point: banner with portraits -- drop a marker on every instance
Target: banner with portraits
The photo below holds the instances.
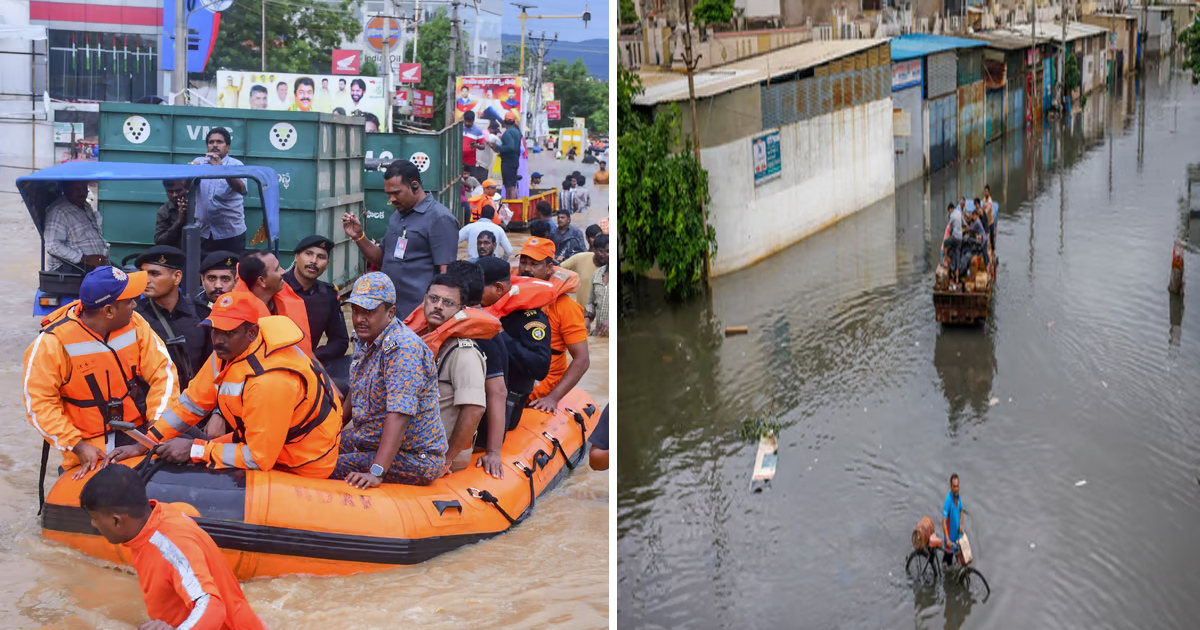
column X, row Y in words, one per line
column 281, row 91
column 490, row 97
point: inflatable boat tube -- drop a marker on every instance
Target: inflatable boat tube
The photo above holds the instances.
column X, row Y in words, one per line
column 277, row 523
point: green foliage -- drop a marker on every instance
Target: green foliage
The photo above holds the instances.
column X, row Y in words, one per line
column 301, row 35
column 580, row 94
column 368, row 67
column 510, row 61
column 1071, row 75
column 628, row 12
column 756, row 427
column 713, row 11
column 1189, row 41
column 661, row 194
column 433, row 53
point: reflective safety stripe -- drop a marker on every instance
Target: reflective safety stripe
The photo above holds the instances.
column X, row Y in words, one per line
column 124, row 340
column 248, row 458
column 175, row 557
column 228, row 452
column 82, row 348
column 29, row 401
column 197, row 613
column 231, row 389
column 175, row 421
column 192, row 407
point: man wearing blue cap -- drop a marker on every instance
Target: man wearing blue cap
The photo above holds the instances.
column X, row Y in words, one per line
column 96, row 361
column 397, row 435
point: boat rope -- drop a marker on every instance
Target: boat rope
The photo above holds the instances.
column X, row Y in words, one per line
column 490, row 499
column 149, row 465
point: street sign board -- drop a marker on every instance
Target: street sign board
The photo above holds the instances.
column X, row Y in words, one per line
column 409, row 73
column 553, row 110
column 374, row 33
column 345, row 61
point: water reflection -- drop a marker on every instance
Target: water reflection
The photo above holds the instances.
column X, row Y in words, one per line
column 965, row 360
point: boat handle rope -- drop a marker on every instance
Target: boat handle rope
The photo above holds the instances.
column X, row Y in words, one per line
column 490, row 499
column 149, row 465
column 558, row 448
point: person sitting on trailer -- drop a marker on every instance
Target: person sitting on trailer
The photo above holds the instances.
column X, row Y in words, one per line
column 172, row 316
column 185, row 580
column 324, row 311
column 218, row 276
column 96, row 361
column 72, row 230
column 450, row 328
column 397, row 436
column 284, row 409
column 489, row 435
column 259, row 273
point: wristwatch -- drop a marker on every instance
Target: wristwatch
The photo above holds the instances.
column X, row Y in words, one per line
column 377, row 470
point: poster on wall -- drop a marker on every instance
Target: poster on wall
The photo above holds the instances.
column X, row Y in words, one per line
column 553, row 110
column 906, row 74
column 768, row 163
column 490, row 97
column 279, row 91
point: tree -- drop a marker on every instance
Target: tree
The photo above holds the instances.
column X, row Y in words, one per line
column 581, row 95
column 628, row 12
column 368, row 67
column 1072, row 79
column 301, row 35
column 662, row 192
column 510, row 61
column 712, row 11
column 1189, row 40
column 433, row 53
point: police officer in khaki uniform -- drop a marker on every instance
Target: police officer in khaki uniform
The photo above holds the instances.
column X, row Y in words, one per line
column 174, row 317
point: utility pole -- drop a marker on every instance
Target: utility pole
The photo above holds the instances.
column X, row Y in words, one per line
column 690, row 63
column 1062, row 65
column 536, row 83
column 264, row 36
column 416, row 29
column 450, row 74
column 179, row 76
column 386, row 44
column 524, row 15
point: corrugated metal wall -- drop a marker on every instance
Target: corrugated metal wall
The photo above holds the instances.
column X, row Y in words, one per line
column 941, row 75
column 972, row 120
column 910, row 149
column 970, row 66
column 1016, row 103
column 995, row 114
column 943, row 131
column 837, row 85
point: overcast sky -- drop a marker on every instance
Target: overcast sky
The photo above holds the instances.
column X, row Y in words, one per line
column 568, row 30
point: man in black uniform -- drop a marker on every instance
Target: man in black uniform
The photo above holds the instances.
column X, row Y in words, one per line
column 321, row 301
column 490, row 436
column 173, row 316
column 526, row 336
column 218, row 275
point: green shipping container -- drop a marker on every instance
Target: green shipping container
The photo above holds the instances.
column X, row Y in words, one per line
column 318, row 158
column 440, row 151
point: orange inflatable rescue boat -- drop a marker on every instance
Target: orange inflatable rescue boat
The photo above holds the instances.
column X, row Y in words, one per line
column 277, row 523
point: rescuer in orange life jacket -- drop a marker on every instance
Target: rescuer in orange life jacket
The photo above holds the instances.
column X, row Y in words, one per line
column 568, row 328
column 96, row 361
column 184, row 578
column 283, row 408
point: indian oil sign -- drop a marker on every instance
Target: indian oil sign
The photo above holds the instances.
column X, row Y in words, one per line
column 767, row 160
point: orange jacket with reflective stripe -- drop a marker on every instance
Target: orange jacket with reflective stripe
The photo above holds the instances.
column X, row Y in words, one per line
column 526, row 294
column 469, row 323
column 291, row 306
column 71, row 375
column 284, row 410
column 184, row 578
column 477, row 203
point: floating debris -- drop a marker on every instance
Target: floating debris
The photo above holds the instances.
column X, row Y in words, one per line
column 1081, row 482
column 736, row 330
column 993, row 402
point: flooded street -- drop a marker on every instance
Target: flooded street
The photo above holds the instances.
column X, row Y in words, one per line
column 1086, row 371
column 550, row 572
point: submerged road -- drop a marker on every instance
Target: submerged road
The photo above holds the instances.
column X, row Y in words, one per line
column 1087, row 371
column 551, row 572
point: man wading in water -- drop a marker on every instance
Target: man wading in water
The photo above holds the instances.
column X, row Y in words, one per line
column 951, row 519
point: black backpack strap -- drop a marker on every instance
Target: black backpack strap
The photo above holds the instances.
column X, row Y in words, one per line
column 42, row 476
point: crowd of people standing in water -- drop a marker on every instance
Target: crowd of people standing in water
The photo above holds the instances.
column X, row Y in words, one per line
column 253, row 373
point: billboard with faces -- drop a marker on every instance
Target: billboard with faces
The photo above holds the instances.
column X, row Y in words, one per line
column 282, row 91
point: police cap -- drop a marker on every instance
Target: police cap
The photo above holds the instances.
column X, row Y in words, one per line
column 162, row 255
column 219, row 260
column 316, row 240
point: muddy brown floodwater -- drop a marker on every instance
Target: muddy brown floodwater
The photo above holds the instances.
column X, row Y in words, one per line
column 1087, row 371
column 550, row 572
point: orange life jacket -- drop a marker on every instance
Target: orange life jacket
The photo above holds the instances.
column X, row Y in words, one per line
column 477, row 203
column 526, row 294
column 469, row 323
column 102, row 373
column 290, row 305
column 563, row 280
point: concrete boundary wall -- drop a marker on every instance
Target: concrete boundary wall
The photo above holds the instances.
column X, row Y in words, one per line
column 833, row 165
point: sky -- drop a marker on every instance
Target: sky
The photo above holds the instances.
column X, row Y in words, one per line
column 568, row 30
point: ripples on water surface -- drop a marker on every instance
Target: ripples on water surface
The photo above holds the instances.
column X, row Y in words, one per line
column 1092, row 366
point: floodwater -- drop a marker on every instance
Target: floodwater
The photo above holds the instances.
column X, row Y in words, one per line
column 1087, row 371
column 551, row 572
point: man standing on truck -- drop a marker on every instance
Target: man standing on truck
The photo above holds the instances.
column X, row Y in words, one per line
column 219, row 203
column 421, row 237
column 951, row 520
column 72, row 231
